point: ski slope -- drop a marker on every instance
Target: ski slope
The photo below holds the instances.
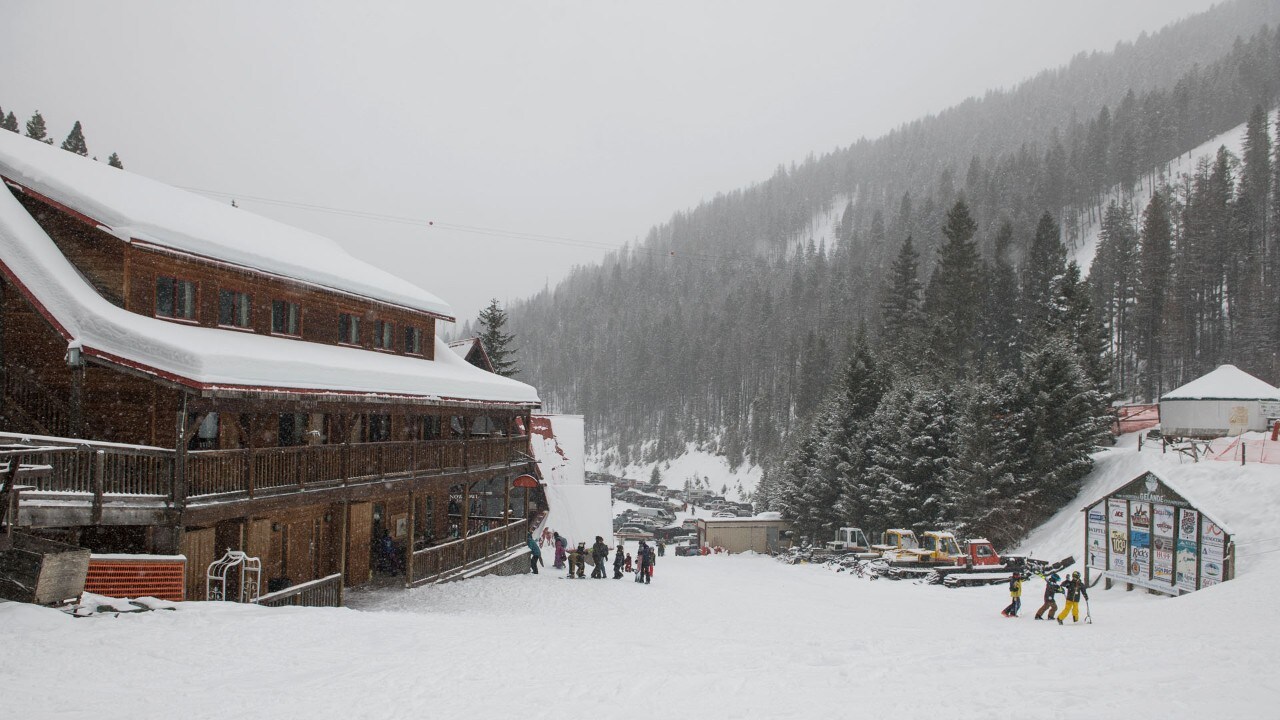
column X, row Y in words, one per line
column 712, row 637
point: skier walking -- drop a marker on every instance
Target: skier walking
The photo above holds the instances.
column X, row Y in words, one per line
column 1052, row 587
column 580, row 557
column 561, row 545
column 599, row 555
column 1074, row 588
column 618, row 560
column 642, row 558
column 646, row 563
column 1015, row 592
column 535, row 554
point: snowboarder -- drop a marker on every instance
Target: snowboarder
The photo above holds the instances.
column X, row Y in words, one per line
column 1074, row 588
column 642, row 556
column 560, row 544
column 599, row 555
column 1015, row 592
column 1052, row 586
column 617, row 562
column 535, row 554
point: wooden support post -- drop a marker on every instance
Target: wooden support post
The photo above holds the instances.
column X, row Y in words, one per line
column 95, row 479
column 408, row 551
column 342, row 551
column 77, row 399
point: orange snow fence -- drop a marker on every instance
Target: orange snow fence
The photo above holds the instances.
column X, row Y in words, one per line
column 1132, row 418
column 1256, row 447
column 135, row 576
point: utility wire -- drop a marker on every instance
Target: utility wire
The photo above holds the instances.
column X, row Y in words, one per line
column 487, row 231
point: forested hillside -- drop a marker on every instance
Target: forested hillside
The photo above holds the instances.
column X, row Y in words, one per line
column 727, row 324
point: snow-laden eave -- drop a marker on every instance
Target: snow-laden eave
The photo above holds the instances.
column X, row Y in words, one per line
column 209, row 259
column 223, row 362
column 135, row 208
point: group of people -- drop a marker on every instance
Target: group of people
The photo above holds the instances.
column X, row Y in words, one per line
column 1074, row 589
column 577, row 559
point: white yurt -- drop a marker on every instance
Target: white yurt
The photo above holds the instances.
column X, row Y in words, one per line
column 1227, row 401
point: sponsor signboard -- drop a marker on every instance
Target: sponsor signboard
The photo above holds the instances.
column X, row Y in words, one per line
column 1145, row 533
column 1187, row 575
column 1140, row 539
column 1162, row 546
column 1096, row 556
column 1118, row 535
column 1212, row 550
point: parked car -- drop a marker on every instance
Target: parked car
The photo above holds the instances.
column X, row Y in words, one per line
column 725, row 514
column 690, row 549
column 631, row 532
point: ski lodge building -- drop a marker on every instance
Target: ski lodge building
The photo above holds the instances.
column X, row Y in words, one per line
column 230, row 382
column 1225, row 402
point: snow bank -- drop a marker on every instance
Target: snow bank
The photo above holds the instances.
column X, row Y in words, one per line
column 692, row 464
column 580, row 512
column 559, row 445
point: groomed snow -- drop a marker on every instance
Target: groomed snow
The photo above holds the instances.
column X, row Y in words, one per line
column 133, row 207
column 713, row 637
column 219, row 358
column 1227, row 382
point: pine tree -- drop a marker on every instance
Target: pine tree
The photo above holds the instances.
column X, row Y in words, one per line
column 1113, row 280
column 75, row 141
column 36, row 129
column 953, row 299
column 497, row 342
column 1046, row 261
column 902, row 320
column 1155, row 259
column 655, row 477
column 908, row 454
column 114, row 161
column 999, row 324
column 986, row 483
column 9, row 123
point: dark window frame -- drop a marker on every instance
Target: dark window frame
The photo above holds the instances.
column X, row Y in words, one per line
column 412, row 340
column 241, row 308
column 177, row 284
column 296, row 318
column 384, row 335
column 348, row 328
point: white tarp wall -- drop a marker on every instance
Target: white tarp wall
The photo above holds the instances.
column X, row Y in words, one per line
column 1212, row 418
column 580, row 513
column 560, row 446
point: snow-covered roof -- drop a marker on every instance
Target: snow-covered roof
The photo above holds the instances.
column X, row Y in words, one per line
column 1228, row 382
column 138, row 209
column 464, row 348
column 216, row 359
column 1177, row 487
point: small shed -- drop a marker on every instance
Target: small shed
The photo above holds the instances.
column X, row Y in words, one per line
column 764, row 533
column 1227, row 401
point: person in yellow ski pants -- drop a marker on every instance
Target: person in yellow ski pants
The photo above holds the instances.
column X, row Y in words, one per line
column 1074, row 588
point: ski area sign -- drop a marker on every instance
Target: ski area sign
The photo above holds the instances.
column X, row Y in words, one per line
column 1147, row 534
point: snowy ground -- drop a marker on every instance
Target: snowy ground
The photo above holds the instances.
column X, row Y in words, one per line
column 712, row 637
column 692, row 465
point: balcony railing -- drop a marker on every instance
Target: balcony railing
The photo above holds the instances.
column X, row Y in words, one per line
column 111, row 469
column 435, row 563
column 324, row 592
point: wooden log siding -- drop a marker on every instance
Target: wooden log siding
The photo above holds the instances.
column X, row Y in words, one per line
column 101, row 468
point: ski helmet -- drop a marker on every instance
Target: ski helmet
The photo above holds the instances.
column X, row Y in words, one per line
column 1054, row 577
column 1076, row 575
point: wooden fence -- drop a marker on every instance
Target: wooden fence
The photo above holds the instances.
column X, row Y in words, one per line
column 325, row 592
column 434, row 563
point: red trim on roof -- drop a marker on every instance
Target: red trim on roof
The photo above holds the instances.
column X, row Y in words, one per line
column 12, row 278
column 50, row 201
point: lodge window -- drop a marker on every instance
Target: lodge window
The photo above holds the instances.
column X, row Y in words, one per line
column 233, row 308
column 376, row 428
column 430, row 427
column 285, row 317
column 383, row 335
column 292, row 429
column 348, row 329
column 413, row 340
column 175, row 298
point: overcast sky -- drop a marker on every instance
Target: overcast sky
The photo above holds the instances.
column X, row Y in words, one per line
column 590, row 121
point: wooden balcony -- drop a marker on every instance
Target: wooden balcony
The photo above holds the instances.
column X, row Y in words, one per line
column 102, row 478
